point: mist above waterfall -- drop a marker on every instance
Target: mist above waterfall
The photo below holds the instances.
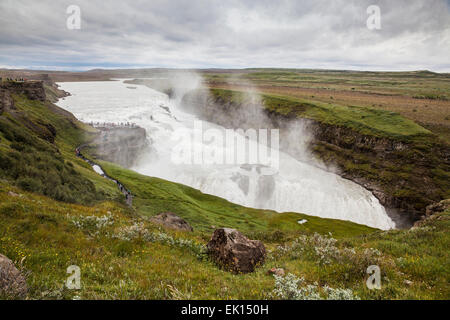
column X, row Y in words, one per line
column 299, row 183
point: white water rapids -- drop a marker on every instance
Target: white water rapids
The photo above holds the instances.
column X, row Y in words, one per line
column 297, row 187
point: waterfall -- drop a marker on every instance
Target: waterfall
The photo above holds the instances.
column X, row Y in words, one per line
column 296, row 186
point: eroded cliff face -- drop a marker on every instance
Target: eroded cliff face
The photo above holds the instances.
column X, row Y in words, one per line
column 33, row 90
column 121, row 145
column 6, row 101
column 405, row 176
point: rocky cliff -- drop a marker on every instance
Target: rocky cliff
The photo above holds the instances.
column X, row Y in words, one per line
column 33, row 90
column 6, row 101
column 121, row 145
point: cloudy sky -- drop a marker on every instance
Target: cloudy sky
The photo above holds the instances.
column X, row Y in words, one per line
column 333, row 34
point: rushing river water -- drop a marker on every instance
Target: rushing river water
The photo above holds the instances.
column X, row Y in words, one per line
column 297, row 186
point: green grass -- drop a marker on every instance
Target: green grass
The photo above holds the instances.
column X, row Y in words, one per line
column 39, row 235
column 420, row 84
column 37, row 153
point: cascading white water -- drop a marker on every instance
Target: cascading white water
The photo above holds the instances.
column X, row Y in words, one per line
column 296, row 187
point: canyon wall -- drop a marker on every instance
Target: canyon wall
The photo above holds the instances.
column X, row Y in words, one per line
column 405, row 176
column 121, row 145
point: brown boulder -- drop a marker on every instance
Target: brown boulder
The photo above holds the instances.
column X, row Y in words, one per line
column 171, row 221
column 232, row 250
column 12, row 282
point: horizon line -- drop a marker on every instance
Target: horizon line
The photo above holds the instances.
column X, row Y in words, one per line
column 213, row 68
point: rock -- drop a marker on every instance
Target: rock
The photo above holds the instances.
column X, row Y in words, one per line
column 408, row 283
column 432, row 212
column 172, row 221
column 6, row 101
column 277, row 271
column 13, row 194
column 12, row 282
column 438, row 207
column 33, row 90
column 232, row 250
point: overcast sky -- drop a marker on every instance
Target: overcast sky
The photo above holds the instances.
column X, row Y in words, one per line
column 414, row 34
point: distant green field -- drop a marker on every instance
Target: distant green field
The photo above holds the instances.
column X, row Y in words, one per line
column 413, row 84
column 365, row 120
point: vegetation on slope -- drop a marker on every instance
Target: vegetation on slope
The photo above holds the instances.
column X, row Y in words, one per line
column 123, row 256
column 35, row 144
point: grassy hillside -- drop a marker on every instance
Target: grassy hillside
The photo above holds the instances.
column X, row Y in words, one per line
column 37, row 142
column 123, row 256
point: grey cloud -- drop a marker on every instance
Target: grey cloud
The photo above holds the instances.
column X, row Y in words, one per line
column 201, row 33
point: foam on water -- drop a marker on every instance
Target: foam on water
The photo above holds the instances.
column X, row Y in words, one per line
column 297, row 187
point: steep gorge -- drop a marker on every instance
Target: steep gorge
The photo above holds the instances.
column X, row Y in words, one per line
column 406, row 175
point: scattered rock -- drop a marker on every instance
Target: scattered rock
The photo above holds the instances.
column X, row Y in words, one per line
column 235, row 252
column 172, row 221
column 408, row 283
column 12, row 282
column 13, row 194
column 276, row 271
